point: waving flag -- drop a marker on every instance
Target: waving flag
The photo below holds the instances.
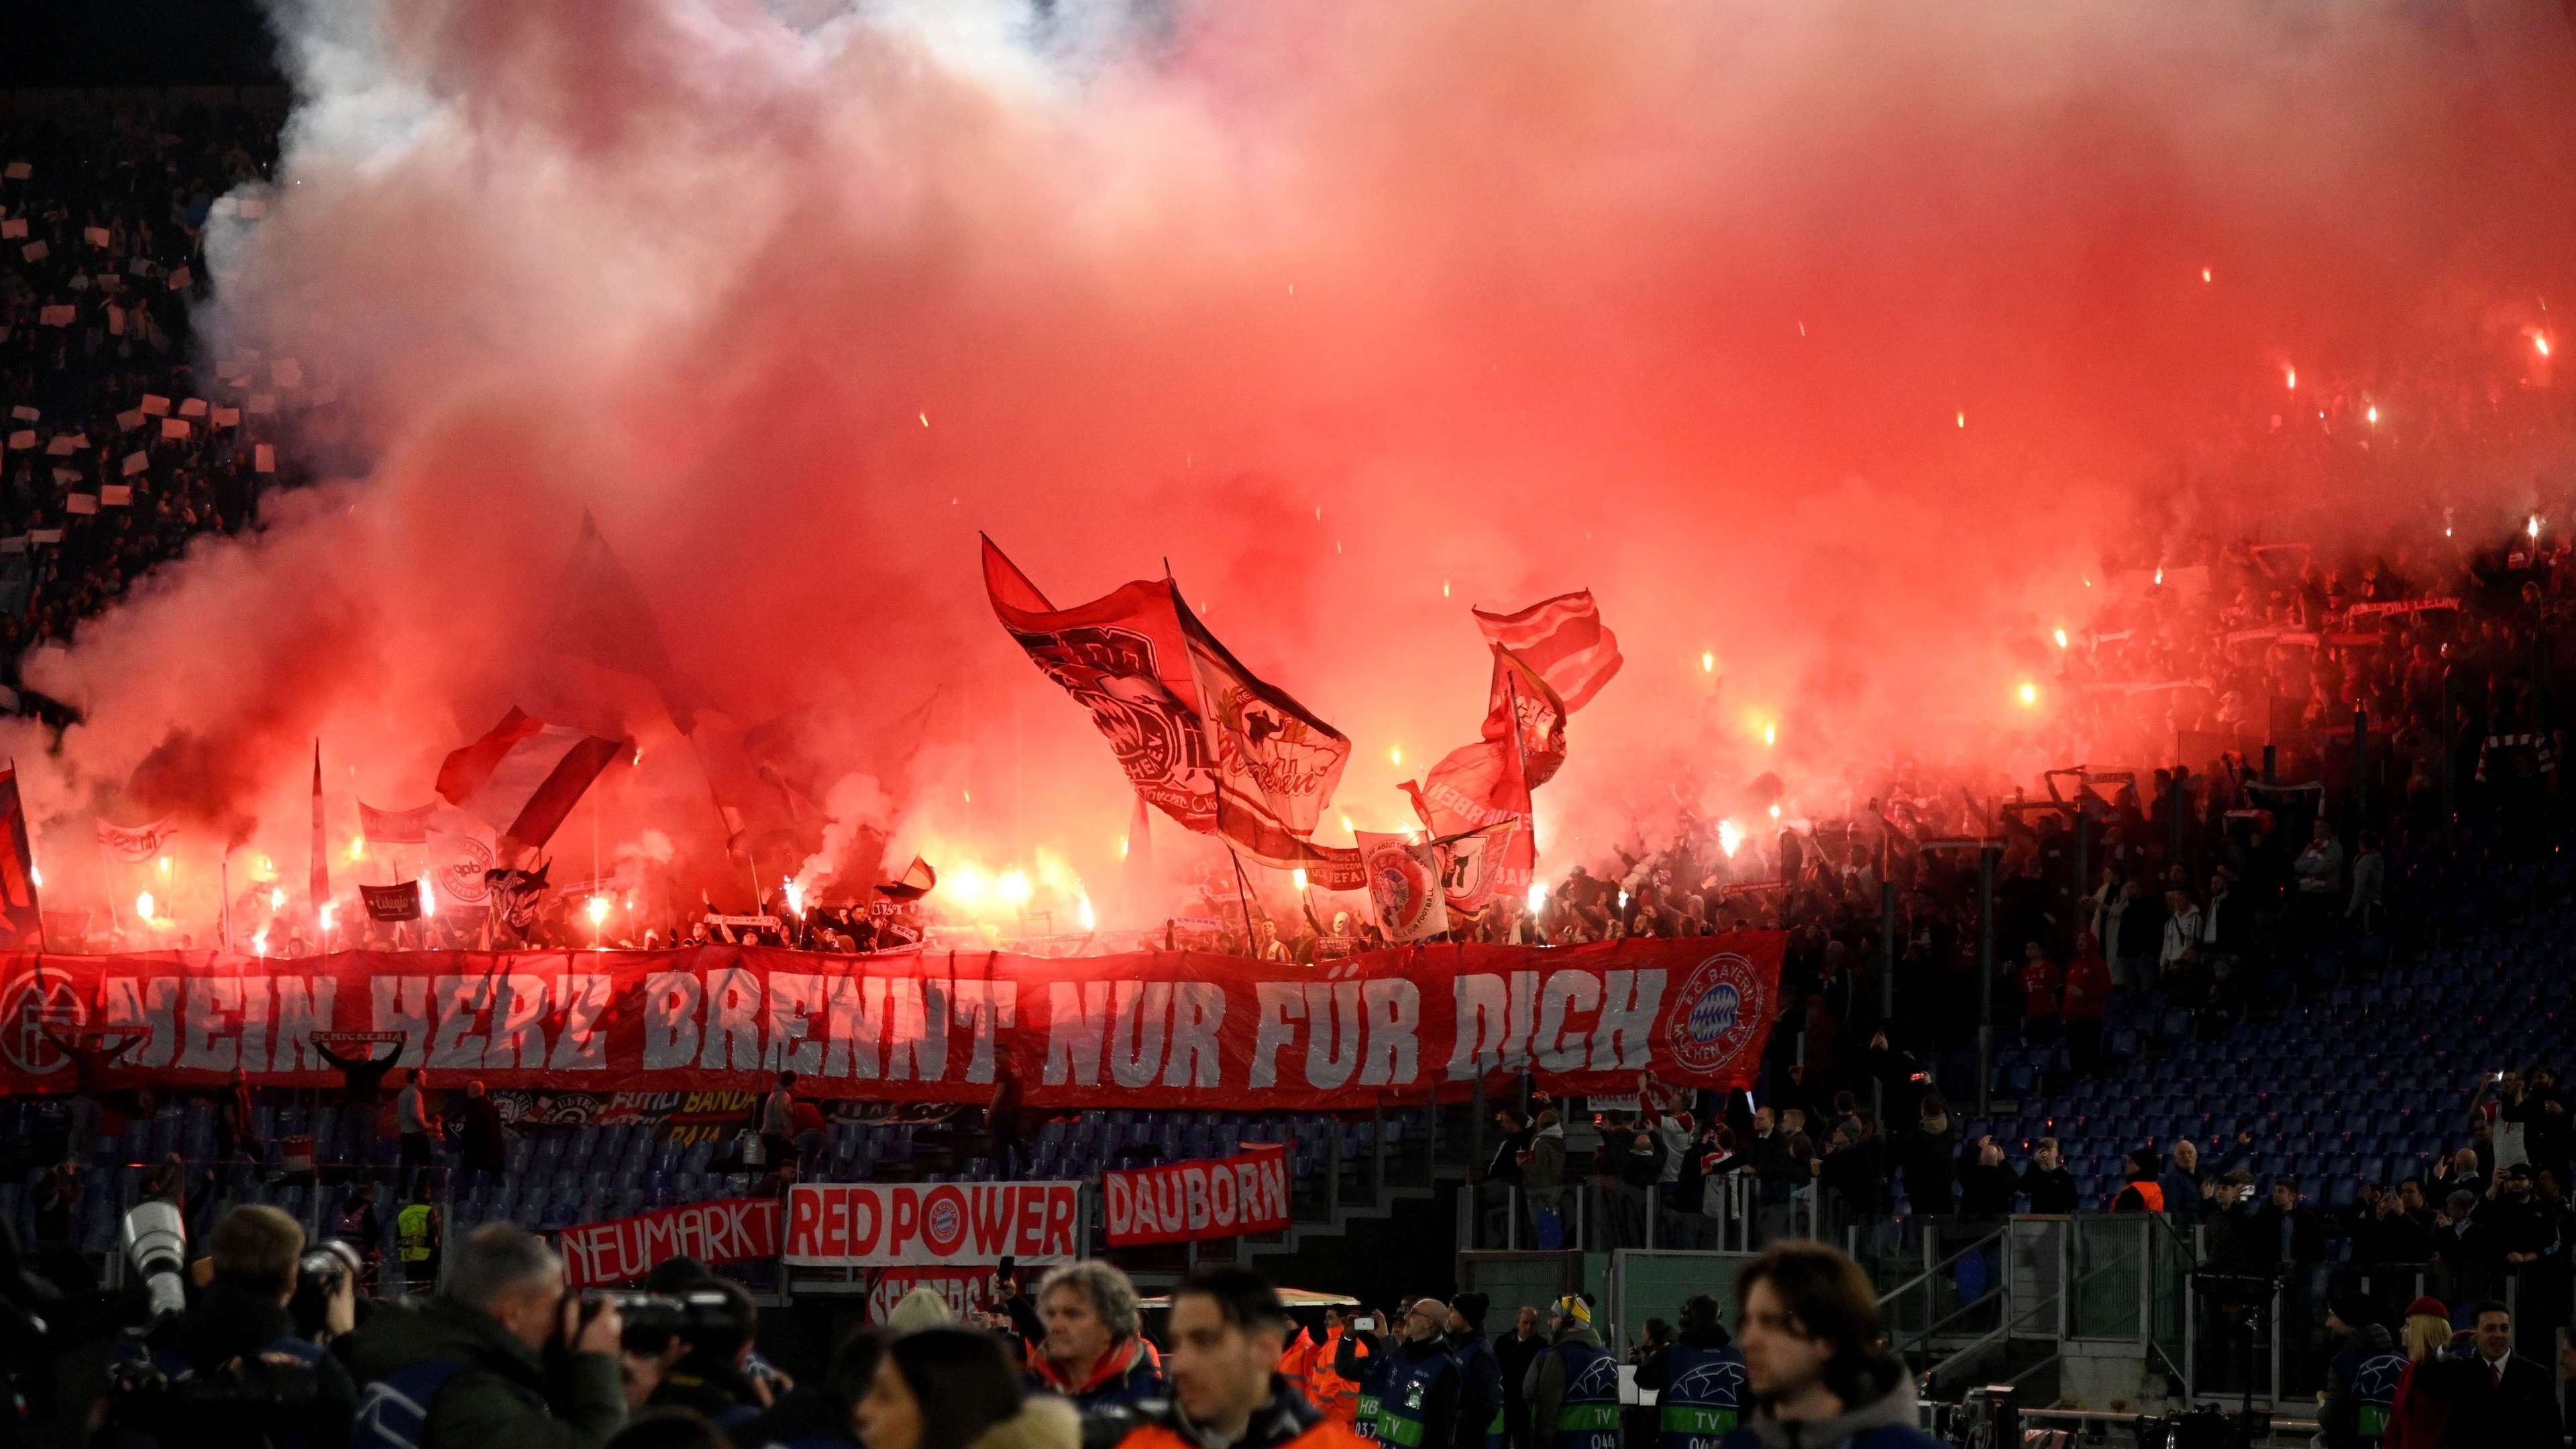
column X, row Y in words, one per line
column 1276, row 763
column 1404, row 886
column 602, row 617
column 524, row 777
column 1478, row 797
column 134, row 847
column 1202, row 738
column 1123, row 658
column 396, row 827
column 1563, row 640
column 22, row 922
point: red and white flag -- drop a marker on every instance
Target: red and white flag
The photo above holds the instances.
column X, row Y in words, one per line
column 1476, row 794
column 524, row 777
column 1277, row 763
column 1404, row 885
column 1123, row 659
column 396, row 827
column 134, row 847
column 1562, row 638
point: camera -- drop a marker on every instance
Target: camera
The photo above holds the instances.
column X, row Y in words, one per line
column 156, row 1246
column 319, row 1275
column 709, row 1322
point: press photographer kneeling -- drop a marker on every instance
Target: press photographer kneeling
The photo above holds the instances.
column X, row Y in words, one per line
column 233, row 1368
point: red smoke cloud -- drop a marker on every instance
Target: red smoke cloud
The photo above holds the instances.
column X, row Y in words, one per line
column 1839, row 341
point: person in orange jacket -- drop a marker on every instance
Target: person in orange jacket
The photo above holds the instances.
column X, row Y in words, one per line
column 1297, row 1361
column 1338, row 1397
column 1227, row 1330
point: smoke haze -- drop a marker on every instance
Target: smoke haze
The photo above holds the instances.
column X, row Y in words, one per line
column 1842, row 342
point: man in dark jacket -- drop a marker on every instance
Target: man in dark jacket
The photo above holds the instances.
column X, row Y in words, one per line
column 2047, row 1182
column 1415, row 1380
column 1698, row 1378
column 470, row 1369
column 1924, row 1156
column 1986, row 1186
column 2502, row 1400
column 1482, row 1423
column 1514, row 1352
column 481, row 1141
column 239, row 1327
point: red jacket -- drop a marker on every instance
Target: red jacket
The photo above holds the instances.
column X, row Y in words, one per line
column 2088, row 988
column 2416, row 1420
column 1129, row 1373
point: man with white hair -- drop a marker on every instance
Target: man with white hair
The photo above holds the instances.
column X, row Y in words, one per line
column 1092, row 1352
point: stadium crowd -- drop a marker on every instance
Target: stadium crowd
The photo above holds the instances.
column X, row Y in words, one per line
column 264, row 1338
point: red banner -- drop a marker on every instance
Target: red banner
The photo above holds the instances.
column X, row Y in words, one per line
column 1169, row 1029
column 732, row 1230
column 1222, row 1198
column 870, row 1224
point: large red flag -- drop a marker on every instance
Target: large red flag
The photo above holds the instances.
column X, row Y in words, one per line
column 22, row 924
column 1122, row 657
column 1182, row 713
column 1480, row 793
column 524, row 777
column 1562, row 638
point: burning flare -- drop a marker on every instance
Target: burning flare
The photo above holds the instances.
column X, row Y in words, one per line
column 1730, row 837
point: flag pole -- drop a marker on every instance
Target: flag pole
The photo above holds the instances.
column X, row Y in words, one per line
column 225, row 878
column 1520, row 755
column 1243, row 893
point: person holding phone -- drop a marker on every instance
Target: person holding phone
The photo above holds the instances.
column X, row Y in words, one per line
column 1413, row 1382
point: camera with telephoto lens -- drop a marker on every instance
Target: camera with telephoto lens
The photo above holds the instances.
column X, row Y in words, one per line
column 156, row 1247
column 709, row 1322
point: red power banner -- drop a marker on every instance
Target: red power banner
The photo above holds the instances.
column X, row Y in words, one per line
column 1170, row 1029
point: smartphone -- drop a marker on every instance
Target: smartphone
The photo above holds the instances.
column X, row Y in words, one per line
column 1365, row 1325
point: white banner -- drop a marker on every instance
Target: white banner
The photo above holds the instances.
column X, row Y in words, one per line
column 866, row 1224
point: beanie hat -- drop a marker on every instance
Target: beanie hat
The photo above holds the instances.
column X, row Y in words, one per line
column 1471, row 1307
column 1574, row 1310
column 2355, row 1309
column 2427, row 1306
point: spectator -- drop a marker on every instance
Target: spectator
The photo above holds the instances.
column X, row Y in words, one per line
column 1093, row 1353
column 469, row 1369
column 362, row 1077
column 1986, row 1185
column 415, row 1123
column 2179, row 959
column 952, row 1388
column 2086, row 999
column 2047, row 1182
column 2367, row 909
column 236, row 1122
column 1926, row 1157
column 2231, row 1230
column 2039, row 994
column 923, row 1307
column 483, row 1142
column 2186, row 1183
column 778, row 1122
column 2290, row 1228
column 1014, row 1309
column 1813, row 1356
column 1002, row 1117
column 2320, row 873
column 2468, row 1250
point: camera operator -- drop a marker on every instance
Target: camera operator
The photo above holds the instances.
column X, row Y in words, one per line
column 325, row 1305
column 502, row 1358
column 236, row 1370
column 716, row 1325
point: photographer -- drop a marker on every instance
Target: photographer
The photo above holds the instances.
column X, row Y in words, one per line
column 713, row 1331
column 325, row 1305
column 503, row 1358
column 236, row 1369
